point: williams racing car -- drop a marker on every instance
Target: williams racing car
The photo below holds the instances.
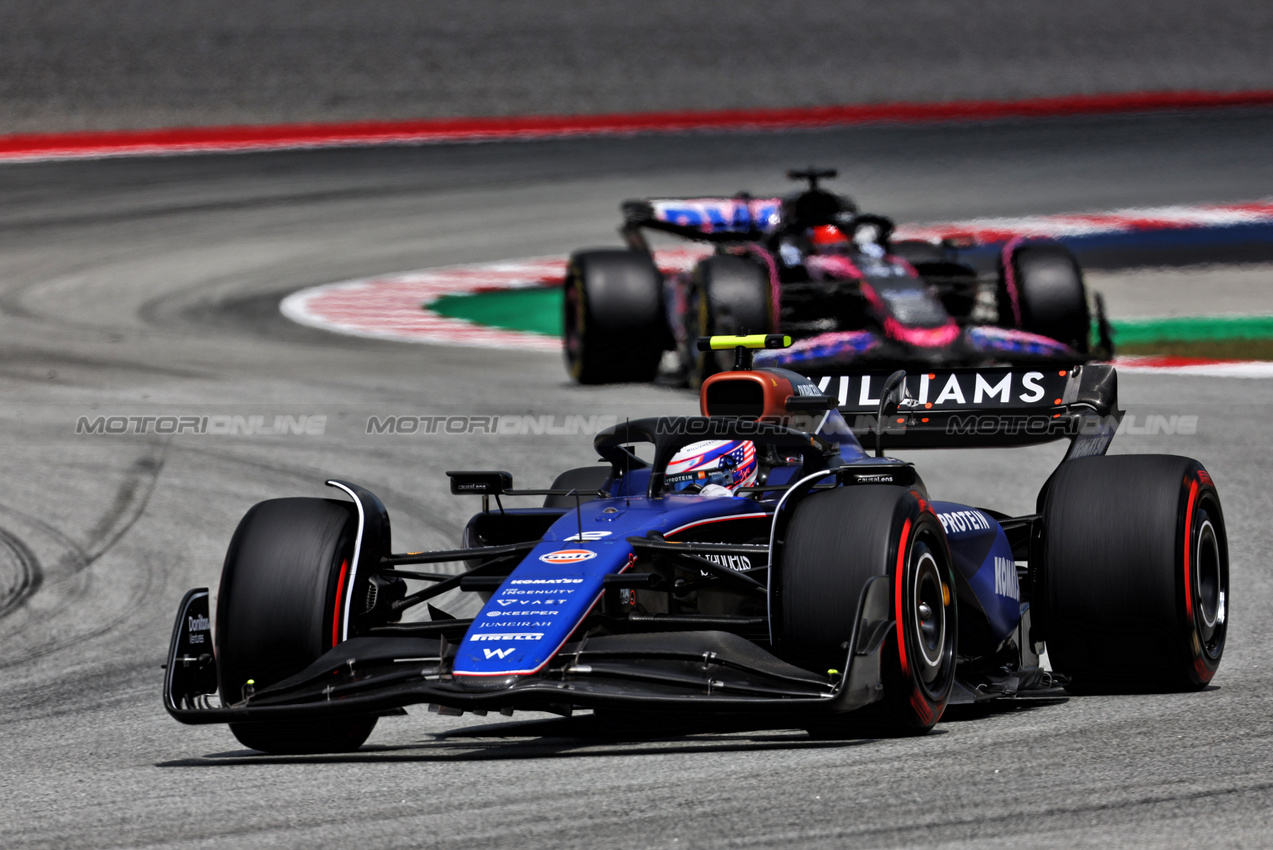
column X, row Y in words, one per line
column 767, row 558
column 814, row 267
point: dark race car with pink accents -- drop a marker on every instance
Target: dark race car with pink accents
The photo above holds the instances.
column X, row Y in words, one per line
column 808, row 581
column 812, row 266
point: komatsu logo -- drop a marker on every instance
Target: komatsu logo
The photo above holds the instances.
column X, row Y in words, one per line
column 1006, row 578
column 547, row 580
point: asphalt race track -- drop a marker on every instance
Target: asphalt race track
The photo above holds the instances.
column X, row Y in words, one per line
column 149, row 288
column 70, row 65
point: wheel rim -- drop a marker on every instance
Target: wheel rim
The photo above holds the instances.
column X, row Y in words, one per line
column 930, row 615
column 1207, row 576
column 929, row 632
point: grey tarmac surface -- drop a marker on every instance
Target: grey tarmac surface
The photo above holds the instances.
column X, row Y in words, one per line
column 150, row 287
column 1205, row 290
column 85, row 64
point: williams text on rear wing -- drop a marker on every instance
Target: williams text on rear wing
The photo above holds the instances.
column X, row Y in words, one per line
column 983, row 407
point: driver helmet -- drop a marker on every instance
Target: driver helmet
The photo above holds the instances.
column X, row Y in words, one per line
column 827, row 235
column 716, row 464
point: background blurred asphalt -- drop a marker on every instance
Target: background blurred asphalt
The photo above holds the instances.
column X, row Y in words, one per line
column 87, row 64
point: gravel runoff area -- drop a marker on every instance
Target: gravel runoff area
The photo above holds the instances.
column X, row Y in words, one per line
column 69, row 65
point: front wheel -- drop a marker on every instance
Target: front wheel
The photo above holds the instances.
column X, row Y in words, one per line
column 837, row 540
column 1134, row 573
column 282, row 604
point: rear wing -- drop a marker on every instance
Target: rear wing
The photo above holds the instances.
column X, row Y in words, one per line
column 741, row 218
column 983, row 407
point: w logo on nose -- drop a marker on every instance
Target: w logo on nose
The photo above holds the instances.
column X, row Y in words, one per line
column 498, row 653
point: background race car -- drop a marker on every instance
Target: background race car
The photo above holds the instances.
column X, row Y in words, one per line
column 812, row 266
column 760, row 560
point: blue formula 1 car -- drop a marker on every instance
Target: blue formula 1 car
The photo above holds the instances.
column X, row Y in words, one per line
column 755, row 559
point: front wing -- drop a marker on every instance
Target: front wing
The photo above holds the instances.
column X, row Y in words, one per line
column 702, row 671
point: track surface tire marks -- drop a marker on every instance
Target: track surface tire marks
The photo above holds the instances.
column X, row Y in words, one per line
column 149, row 293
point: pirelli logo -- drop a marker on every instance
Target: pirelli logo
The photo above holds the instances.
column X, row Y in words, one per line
column 508, row 636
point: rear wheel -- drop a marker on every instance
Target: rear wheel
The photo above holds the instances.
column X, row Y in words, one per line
column 1134, row 573
column 614, row 328
column 1041, row 290
column 280, row 606
column 825, row 564
column 731, row 295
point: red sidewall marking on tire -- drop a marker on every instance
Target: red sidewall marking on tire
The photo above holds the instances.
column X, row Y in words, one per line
column 899, row 593
column 1193, row 492
column 918, row 701
column 340, row 595
column 1201, row 671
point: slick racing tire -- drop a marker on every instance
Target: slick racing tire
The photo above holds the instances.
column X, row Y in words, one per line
column 1134, row 573
column 1045, row 283
column 835, row 542
column 279, row 608
column 614, row 327
column 730, row 295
